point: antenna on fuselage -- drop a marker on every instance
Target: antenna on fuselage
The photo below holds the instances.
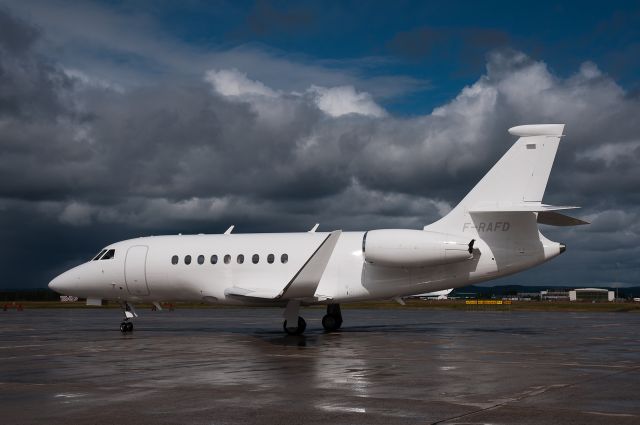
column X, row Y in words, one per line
column 229, row 230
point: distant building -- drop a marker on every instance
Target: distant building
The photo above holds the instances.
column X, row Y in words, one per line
column 591, row 294
column 555, row 295
column 527, row 296
column 68, row 298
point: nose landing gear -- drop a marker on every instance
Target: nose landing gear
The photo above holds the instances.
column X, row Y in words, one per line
column 129, row 313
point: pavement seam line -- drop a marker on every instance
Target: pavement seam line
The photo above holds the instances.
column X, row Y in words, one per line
column 534, row 393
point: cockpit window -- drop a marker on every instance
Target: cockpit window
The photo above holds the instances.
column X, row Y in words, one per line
column 109, row 255
column 99, row 255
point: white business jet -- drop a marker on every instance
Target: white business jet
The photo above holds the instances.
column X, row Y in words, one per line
column 492, row 232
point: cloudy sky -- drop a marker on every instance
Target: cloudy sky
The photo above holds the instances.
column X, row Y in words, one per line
column 125, row 119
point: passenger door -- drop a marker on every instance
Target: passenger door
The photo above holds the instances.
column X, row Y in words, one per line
column 135, row 270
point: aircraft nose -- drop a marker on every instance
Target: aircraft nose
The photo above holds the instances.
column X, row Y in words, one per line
column 60, row 283
column 55, row 285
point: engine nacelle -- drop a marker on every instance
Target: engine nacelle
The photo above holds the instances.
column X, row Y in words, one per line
column 414, row 248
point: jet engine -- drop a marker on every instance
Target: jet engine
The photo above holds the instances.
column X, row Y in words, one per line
column 414, row 248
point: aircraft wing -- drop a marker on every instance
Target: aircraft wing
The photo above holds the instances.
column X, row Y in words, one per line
column 304, row 282
column 260, row 293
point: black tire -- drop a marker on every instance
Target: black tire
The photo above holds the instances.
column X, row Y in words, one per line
column 329, row 323
column 299, row 330
column 302, row 325
column 123, row 327
column 129, row 327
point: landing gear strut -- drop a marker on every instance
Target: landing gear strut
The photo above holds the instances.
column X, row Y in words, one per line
column 293, row 324
column 333, row 319
column 129, row 313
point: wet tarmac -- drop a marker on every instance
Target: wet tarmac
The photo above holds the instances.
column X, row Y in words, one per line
column 404, row 366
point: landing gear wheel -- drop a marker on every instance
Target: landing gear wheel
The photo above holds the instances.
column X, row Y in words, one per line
column 333, row 319
column 123, row 327
column 129, row 327
column 331, row 323
column 299, row 330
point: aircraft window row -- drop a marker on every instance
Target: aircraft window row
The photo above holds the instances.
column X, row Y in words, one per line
column 255, row 259
column 105, row 255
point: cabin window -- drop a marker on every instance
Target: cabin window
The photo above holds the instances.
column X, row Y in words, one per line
column 240, row 258
column 214, row 259
column 187, row 259
column 227, row 259
column 174, row 259
column 270, row 258
column 99, row 255
column 200, row 259
column 109, row 255
column 284, row 258
column 255, row 259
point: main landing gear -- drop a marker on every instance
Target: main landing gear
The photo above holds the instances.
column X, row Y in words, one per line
column 333, row 319
column 129, row 313
column 293, row 324
column 295, row 330
column 296, row 325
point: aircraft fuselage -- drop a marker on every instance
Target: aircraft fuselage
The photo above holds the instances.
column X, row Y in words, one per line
column 206, row 266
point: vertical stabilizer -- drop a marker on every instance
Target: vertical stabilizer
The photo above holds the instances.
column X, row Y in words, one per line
column 519, row 177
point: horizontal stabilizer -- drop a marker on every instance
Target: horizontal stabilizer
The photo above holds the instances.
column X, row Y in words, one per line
column 556, row 219
column 517, row 207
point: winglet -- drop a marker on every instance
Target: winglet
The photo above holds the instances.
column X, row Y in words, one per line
column 229, row 230
column 314, row 228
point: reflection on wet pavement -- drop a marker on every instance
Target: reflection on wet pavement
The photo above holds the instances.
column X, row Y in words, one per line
column 386, row 366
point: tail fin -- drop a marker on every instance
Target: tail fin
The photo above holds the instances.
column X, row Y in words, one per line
column 515, row 183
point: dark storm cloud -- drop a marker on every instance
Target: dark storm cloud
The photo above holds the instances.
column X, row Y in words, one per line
column 15, row 36
column 30, row 87
column 81, row 157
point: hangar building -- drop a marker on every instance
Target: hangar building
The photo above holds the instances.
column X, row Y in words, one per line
column 591, row 294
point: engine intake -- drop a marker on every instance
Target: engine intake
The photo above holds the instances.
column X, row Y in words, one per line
column 414, row 248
